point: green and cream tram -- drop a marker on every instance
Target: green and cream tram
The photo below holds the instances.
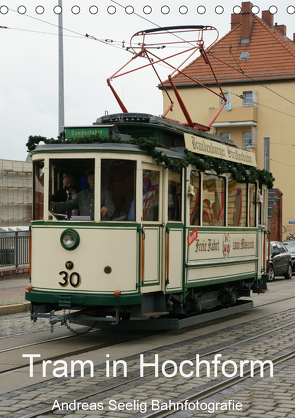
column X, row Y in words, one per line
column 185, row 236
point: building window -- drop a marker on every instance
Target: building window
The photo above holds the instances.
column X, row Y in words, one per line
column 225, row 135
column 247, row 140
column 248, row 98
column 221, row 99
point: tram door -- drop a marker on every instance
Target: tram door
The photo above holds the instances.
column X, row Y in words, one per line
column 163, row 228
column 174, row 231
column 152, row 225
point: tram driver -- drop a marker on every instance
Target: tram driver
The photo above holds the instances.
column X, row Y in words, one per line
column 84, row 201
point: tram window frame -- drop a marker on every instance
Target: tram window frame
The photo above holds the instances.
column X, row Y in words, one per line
column 151, row 195
column 38, row 203
column 231, row 215
column 195, row 201
column 215, row 214
column 77, row 168
column 121, row 184
column 174, row 196
column 252, row 224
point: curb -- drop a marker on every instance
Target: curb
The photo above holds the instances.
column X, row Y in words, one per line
column 18, row 308
column 15, row 272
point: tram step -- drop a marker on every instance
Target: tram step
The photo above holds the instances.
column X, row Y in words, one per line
column 65, row 301
column 148, row 314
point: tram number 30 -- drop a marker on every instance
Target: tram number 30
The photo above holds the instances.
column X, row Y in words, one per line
column 74, row 279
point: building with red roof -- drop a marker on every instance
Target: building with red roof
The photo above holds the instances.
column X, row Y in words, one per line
column 255, row 66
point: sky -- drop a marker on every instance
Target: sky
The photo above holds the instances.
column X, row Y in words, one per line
column 29, row 58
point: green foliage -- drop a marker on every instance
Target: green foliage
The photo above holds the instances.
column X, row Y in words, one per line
column 239, row 172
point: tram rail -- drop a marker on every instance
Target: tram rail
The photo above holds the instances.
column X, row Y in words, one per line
column 97, row 330
column 202, row 394
column 218, row 387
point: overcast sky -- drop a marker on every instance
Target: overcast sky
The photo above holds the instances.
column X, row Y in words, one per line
column 29, row 59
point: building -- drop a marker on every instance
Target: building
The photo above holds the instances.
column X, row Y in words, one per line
column 16, row 193
column 255, row 66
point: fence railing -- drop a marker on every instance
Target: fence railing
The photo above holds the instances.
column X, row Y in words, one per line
column 14, row 248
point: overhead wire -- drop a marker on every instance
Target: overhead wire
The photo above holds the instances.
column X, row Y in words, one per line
column 116, row 44
column 241, row 70
column 42, row 32
column 280, row 162
column 249, row 77
column 107, row 42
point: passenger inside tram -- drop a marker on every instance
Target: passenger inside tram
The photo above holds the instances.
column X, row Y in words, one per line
column 68, row 192
column 84, row 201
column 117, row 189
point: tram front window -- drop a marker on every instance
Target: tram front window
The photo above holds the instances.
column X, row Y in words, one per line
column 71, row 189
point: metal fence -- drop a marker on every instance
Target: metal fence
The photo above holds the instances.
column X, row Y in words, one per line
column 14, row 248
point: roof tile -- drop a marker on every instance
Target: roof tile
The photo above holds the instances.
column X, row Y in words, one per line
column 271, row 56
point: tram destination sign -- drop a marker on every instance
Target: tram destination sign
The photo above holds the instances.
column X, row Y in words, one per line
column 86, row 131
column 200, row 145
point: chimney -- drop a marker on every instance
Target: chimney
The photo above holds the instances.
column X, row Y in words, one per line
column 267, row 17
column 281, row 28
column 247, row 22
column 235, row 20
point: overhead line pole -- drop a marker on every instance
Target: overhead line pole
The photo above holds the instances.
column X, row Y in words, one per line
column 61, row 115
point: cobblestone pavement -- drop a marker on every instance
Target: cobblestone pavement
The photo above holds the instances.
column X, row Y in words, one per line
column 20, row 324
column 269, row 396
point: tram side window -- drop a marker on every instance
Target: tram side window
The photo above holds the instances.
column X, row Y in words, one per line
column 38, row 190
column 118, row 179
column 174, row 195
column 252, row 205
column 195, row 199
column 150, row 203
column 213, row 200
column 237, row 204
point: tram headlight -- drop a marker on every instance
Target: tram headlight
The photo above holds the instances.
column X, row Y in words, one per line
column 70, row 239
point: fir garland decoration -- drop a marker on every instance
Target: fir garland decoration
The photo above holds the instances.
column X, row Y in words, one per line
column 239, row 172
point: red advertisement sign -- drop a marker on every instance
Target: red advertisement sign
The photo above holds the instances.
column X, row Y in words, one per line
column 192, row 236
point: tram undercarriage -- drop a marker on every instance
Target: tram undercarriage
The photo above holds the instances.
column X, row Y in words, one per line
column 158, row 311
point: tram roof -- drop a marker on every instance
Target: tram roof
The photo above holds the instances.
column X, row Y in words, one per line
column 127, row 126
column 106, row 147
column 159, row 122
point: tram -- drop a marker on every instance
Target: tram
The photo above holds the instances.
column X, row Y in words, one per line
column 171, row 222
column 182, row 239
